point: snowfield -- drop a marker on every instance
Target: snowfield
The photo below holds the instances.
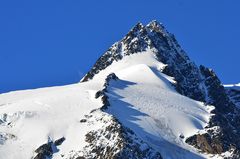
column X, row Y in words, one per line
column 143, row 99
column 35, row 116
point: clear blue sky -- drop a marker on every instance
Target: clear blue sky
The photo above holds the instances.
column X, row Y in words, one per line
column 55, row 42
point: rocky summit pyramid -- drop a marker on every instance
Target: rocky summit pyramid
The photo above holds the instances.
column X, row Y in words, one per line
column 143, row 98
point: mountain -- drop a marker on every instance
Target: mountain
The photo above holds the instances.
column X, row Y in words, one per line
column 233, row 92
column 143, row 98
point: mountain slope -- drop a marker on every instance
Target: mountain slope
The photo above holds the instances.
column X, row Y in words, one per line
column 143, row 98
column 233, row 92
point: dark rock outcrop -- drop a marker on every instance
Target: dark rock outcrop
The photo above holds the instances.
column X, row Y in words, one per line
column 233, row 93
column 102, row 93
column 226, row 119
column 46, row 150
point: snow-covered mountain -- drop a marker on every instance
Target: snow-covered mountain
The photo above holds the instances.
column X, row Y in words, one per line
column 143, row 98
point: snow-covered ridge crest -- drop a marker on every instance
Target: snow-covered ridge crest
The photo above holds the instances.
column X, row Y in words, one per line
column 234, row 86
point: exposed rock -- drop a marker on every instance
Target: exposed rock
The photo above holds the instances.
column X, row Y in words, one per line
column 233, row 93
column 59, row 141
column 102, row 93
column 83, row 120
column 114, row 141
column 205, row 143
column 226, row 119
column 46, row 150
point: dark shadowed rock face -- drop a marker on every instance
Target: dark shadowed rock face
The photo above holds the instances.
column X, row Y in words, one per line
column 44, row 151
column 198, row 83
column 179, row 66
column 226, row 120
column 233, row 93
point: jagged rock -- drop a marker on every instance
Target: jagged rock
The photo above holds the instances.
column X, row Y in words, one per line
column 46, row 150
column 59, row 141
column 126, row 144
column 98, row 94
column 102, row 93
column 233, row 93
column 226, row 118
column 205, row 143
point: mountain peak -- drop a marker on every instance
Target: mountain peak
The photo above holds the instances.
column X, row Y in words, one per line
column 138, row 26
column 145, row 99
column 136, row 30
column 155, row 23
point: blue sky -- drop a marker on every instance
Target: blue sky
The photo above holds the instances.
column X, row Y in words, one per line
column 55, row 42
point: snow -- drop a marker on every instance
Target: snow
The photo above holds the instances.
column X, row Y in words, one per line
column 233, row 86
column 143, row 99
column 36, row 115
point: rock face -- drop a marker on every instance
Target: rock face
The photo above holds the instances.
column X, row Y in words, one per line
column 119, row 142
column 226, row 119
column 198, row 83
column 233, row 92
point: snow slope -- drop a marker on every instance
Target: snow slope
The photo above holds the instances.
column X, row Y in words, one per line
column 35, row 116
column 143, row 100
